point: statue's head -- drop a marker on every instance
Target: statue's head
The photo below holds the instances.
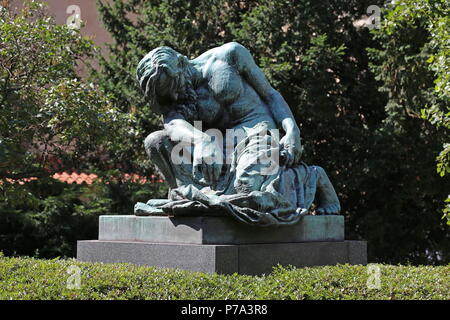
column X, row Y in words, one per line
column 162, row 76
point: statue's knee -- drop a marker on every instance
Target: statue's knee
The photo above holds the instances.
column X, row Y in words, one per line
column 156, row 142
column 247, row 183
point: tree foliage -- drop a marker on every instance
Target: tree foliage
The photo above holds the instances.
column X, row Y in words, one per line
column 48, row 115
column 413, row 65
column 51, row 119
column 361, row 123
column 45, row 217
column 436, row 19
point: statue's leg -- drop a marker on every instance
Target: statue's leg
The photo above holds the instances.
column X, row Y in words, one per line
column 326, row 198
column 165, row 154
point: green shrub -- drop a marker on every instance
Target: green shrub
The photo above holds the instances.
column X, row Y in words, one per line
column 52, row 120
column 49, row 116
column 27, row 278
column 45, row 217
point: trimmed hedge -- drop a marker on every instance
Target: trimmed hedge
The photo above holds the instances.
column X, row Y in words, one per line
column 29, row 278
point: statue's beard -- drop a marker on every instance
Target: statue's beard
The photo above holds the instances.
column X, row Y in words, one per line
column 186, row 103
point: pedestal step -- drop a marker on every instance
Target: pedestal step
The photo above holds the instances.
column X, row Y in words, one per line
column 251, row 259
column 217, row 230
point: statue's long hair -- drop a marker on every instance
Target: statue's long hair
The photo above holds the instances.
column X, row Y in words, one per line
column 165, row 59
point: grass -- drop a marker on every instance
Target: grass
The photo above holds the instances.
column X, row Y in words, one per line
column 28, row 278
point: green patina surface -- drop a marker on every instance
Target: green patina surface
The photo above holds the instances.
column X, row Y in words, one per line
column 230, row 143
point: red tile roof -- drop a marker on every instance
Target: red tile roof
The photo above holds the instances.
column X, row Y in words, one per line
column 19, row 181
column 80, row 178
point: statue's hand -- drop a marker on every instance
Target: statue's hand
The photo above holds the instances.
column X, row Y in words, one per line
column 291, row 149
column 208, row 160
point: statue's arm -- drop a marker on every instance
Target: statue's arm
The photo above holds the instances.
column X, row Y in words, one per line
column 239, row 56
column 205, row 149
column 247, row 67
column 179, row 129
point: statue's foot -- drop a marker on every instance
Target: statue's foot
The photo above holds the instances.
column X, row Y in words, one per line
column 329, row 209
column 327, row 199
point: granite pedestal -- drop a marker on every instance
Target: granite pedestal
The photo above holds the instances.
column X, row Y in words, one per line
column 221, row 244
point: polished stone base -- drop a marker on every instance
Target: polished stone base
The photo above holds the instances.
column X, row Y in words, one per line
column 217, row 230
column 251, row 259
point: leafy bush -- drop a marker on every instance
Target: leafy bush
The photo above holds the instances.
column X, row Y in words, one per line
column 51, row 119
column 49, row 116
column 25, row 278
column 46, row 217
column 413, row 66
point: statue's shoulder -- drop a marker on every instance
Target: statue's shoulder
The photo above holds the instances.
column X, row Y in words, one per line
column 232, row 50
column 226, row 51
column 232, row 53
column 232, row 46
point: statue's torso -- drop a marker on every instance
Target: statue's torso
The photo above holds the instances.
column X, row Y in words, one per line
column 226, row 100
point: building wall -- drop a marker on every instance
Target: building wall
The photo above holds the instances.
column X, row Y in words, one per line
column 88, row 12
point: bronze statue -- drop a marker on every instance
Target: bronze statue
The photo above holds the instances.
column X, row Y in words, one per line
column 220, row 150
